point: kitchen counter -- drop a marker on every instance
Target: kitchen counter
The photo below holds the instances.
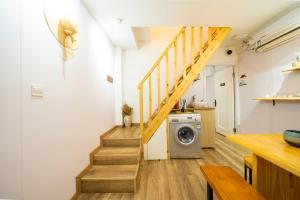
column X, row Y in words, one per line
column 276, row 164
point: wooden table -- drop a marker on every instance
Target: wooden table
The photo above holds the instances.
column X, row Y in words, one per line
column 276, row 165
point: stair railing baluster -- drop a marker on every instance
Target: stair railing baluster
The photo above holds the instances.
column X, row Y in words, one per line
column 192, row 45
column 158, row 86
column 150, row 99
column 141, row 110
column 200, row 40
column 209, row 35
column 167, row 75
column 183, row 54
column 175, row 65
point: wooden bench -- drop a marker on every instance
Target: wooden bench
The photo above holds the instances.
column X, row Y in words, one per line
column 248, row 168
column 227, row 184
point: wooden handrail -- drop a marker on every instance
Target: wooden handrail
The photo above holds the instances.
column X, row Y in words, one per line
column 161, row 56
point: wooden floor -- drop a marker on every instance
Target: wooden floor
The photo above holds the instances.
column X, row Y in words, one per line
column 178, row 178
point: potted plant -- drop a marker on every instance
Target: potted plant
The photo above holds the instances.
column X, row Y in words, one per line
column 127, row 112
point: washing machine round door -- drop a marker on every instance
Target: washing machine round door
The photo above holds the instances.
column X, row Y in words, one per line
column 186, row 134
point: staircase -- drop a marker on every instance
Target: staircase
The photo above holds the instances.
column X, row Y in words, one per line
column 183, row 71
column 114, row 166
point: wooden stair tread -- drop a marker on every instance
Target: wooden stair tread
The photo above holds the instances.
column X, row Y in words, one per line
column 117, row 151
column 188, row 69
column 115, row 155
column 228, row 185
column 123, row 133
column 111, row 172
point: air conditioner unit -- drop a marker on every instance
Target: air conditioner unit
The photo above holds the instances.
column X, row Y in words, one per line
column 283, row 30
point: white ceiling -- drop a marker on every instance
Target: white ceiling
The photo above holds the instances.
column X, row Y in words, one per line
column 244, row 16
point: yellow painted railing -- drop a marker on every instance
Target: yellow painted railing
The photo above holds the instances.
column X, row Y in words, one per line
column 199, row 55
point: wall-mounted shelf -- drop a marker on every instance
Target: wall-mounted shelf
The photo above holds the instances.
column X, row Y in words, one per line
column 293, row 69
column 274, row 99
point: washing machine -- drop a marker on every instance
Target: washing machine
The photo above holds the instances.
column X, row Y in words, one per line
column 185, row 131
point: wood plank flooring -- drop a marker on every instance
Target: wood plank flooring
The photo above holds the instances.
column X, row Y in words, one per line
column 177, row 178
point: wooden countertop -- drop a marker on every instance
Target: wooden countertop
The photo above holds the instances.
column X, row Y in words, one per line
column 271, row 147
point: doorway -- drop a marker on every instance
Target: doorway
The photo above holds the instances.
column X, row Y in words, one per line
column 220, row 95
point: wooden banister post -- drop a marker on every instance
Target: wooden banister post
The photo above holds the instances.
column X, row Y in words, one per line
column 183, row 54
column 192, row 45
column 150, row 99
column 175, row 64
column 209, row 35
column 158, row 86
column 200, row 40
column 141, row 111
column 167, row 75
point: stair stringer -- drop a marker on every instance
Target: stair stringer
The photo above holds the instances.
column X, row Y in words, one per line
column 185, row 84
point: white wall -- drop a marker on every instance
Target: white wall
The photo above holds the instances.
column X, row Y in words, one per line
column 45, row 142
column 118, row 85
column 197, row 88
column 10, row 99
column 156, row 148
column 264, row 77
column 210, row 90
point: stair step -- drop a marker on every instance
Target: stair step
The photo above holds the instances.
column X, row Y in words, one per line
column 196, row 58
column 122, row 137
column 188, row 69
column 172, row 91
column 205, row 46
column 134, row 142
column 117, row 156
column 164, row 101
column 110, row 178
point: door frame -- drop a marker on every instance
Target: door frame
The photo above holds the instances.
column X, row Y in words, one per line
column 235, row 96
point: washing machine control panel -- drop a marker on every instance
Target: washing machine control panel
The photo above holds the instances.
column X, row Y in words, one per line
column 180, row 118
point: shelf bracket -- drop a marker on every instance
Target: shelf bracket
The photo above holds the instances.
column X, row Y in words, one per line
column 273, row 102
